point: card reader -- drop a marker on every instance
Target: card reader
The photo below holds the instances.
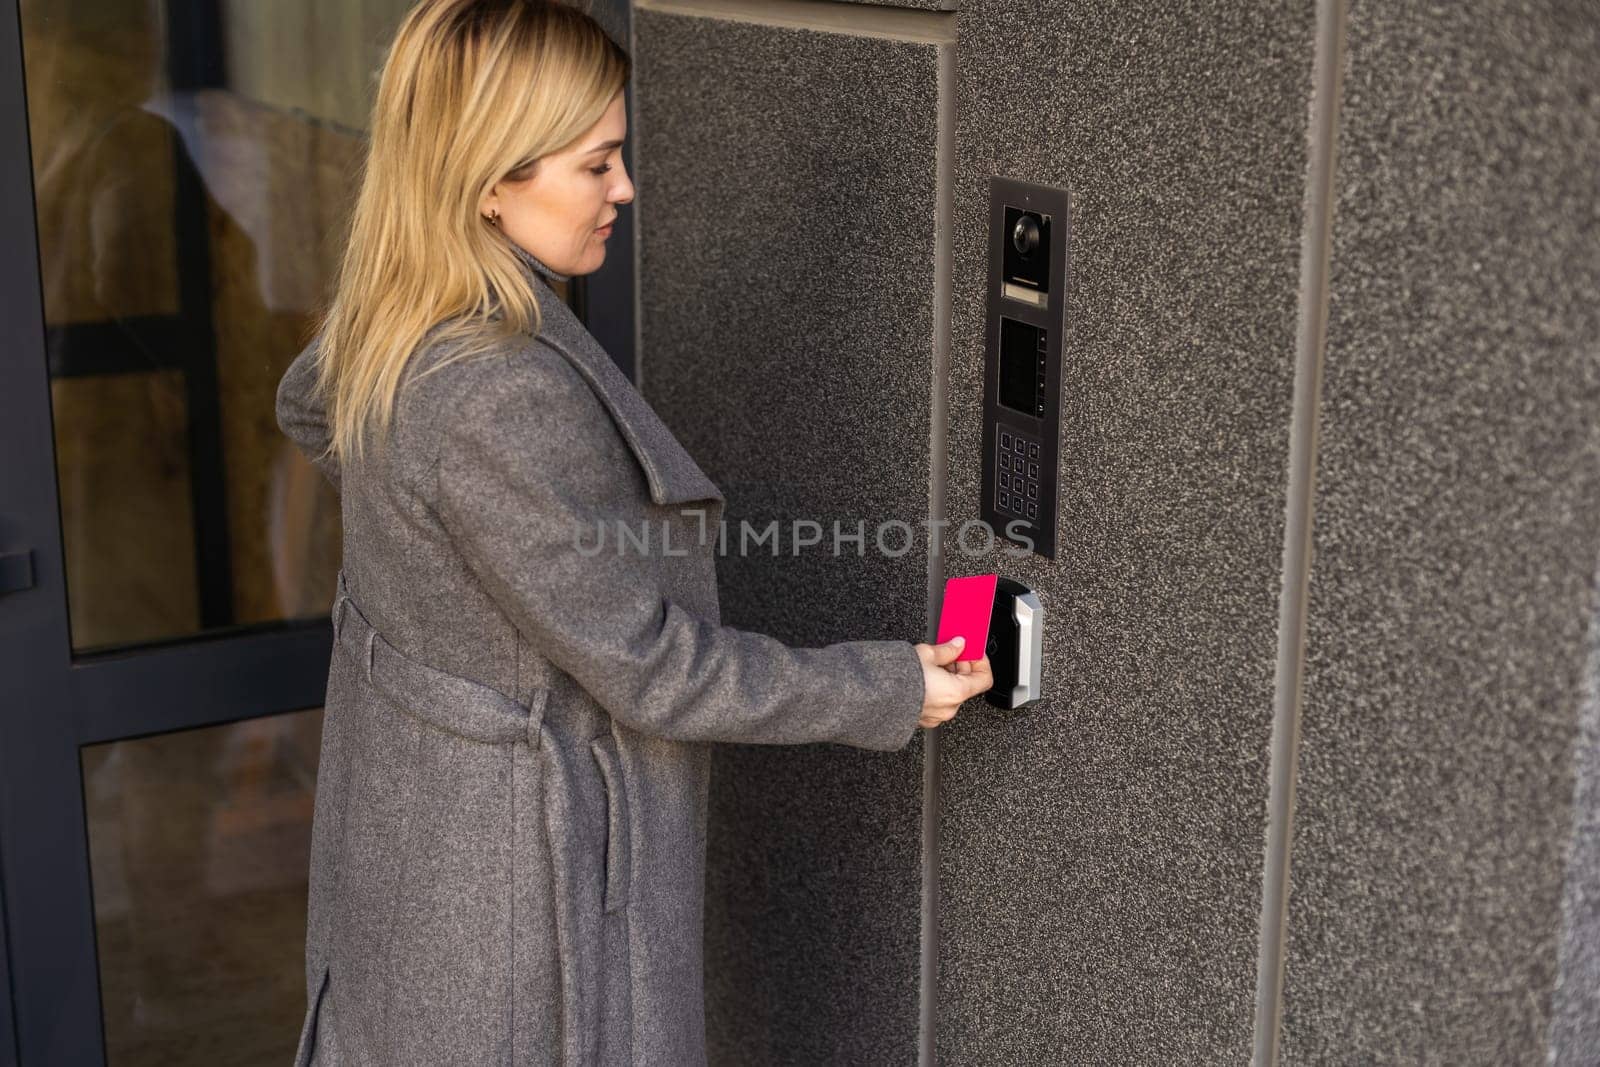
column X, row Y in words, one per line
column 1016, row 645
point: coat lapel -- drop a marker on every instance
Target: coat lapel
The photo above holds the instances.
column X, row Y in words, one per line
column 672, row 473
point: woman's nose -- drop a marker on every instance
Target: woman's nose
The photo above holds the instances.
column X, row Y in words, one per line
column 623, row 192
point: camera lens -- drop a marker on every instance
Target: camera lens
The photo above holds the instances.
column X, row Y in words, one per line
column 1025, row 235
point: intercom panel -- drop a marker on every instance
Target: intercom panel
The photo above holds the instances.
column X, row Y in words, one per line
column 1028, row 231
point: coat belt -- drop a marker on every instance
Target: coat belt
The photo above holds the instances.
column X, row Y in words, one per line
column 448, row 701
column 541, row 791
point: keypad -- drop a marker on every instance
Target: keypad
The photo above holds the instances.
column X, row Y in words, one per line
column 1017, row 472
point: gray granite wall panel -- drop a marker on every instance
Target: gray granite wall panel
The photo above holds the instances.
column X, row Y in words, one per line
column 1101, row 857
column 1575, row 1011
column 1455, row 535
column 786, row 204
column 1101, row 862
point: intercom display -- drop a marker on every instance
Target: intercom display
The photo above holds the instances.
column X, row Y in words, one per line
column 1024, row 328
column 1022, row 369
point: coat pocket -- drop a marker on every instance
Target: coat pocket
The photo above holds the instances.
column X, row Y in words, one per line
column 618, row 857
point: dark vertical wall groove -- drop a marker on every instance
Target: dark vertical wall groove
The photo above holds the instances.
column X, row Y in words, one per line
column 938, row 470
column 1287, row 682
column 635, row 246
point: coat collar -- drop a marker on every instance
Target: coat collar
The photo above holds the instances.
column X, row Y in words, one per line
column 530, row 260
column 673, row 475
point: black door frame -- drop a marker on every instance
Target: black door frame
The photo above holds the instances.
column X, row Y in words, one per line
column 604, row 300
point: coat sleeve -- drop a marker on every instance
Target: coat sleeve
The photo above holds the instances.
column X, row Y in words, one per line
column 526, row 472
column 301, row 414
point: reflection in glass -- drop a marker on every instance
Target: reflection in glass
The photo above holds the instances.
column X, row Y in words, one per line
column 199, row 848
column 192, row 166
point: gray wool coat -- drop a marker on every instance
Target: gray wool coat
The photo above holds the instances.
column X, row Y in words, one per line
column 509, row 834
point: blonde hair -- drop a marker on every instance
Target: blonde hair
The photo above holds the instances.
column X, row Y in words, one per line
column 471, row 92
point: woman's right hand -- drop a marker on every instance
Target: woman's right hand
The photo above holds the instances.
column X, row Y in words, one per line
column 948, row 683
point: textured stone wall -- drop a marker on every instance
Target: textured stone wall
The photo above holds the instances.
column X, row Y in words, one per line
column 1456, row 535
column 1101, row 862
column 786, row 203
column 813, row 186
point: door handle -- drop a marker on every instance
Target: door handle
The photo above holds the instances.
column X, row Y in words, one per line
column 16, row 571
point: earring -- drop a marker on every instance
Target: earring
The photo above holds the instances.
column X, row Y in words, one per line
column 493, row 217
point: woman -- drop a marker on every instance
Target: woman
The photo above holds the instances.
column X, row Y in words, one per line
column 508, row 845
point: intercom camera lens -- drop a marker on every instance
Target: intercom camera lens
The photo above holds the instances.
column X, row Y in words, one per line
column 1025, row 235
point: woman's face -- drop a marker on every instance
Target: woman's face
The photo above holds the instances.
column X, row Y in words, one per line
column 561, row 214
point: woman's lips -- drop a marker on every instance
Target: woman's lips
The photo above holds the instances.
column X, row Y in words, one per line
column 605, row 231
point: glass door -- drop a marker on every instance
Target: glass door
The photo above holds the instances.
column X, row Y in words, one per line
column 173, row 181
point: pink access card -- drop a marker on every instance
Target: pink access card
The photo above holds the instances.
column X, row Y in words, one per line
column 968, row 603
